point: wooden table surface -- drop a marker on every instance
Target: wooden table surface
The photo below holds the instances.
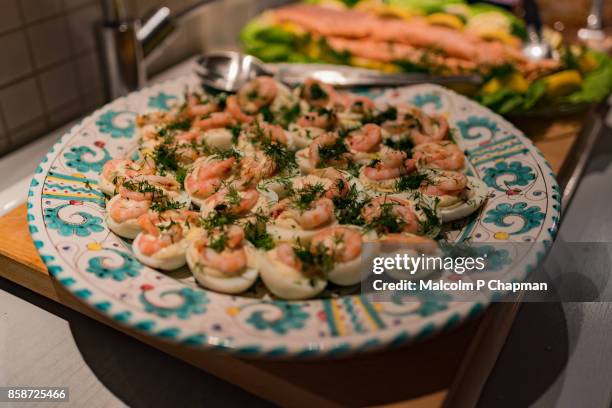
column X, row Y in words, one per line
column 416, row 376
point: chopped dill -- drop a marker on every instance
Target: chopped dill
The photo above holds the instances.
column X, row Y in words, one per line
column 225, row 154
column 165, row 203
column 431, row 225
column 288, row 115
column 219, row 218
column 304, row 196
column 410, row 181
column 218, row 243
column 267, row 114
column 317, row 262
column 281, row 156
column 332, row 152
column 403, row 145
column 143, row 187
column 236, row 129
column 348, row 207
column 255, row 232
column 383, row 116
column 386, row 221
column 178, row 125
column 166, row 159
column 317, row 93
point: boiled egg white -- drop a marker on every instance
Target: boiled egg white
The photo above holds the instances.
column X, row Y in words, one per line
column 214, row 279
column 287, row 282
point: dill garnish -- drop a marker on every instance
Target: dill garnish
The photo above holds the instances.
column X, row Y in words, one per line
column 304, row 197
column 332, row 152
column 386, row 222
column 403, row 145
column 317, row 93
column 178, row 125
column 410, row 181
column 348, row 207
column 166, row 159
column 255, row 232
column 218, row 243
column 381, row 117
column 165, row 203
column 314, row 262
column 431, row 225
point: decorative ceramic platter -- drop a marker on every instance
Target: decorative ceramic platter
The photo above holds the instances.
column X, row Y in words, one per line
column 66, row 213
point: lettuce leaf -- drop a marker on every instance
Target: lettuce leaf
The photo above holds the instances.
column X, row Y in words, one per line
column 597, row 84
column 426, row 6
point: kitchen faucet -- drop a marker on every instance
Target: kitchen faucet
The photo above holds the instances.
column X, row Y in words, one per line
column 129, row 45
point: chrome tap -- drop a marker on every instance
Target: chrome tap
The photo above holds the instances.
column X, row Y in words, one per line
column 129, row 45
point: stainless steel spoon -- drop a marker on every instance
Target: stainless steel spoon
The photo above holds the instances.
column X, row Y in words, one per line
column 228, row 71
column 535, row 48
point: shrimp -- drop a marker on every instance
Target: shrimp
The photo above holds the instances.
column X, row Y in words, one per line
column 343, row 243
column 127, row 168
column 188, row 136
column 113, row 167
column 355, row 103
column 400, row 209
column 392, row 164
column 325, row 140
column 321, row 212
column 124, row 209
column 431, row 129
column 232, row 259
column 256, row 167
column 216, row 120
column 365, row 140
column 154, row 186
column 151, row 244
column 322, row 119
column 339, row 186
column 256, row 94
column 229, row 261
column 233, row 108
column 286, row 255
column 405, row 119
column 274, row 132
column 197, row 107
column 318, row 94
column 419, row 243
column 420, row 127
column 216, row 168
column 443, row 155
column 154, row 239
column 238, row 202
column 208, row 176
column 445, row 182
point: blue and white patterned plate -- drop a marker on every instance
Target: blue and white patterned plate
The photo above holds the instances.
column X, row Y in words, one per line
column 66, row 213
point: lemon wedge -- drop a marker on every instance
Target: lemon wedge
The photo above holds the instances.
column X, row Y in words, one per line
column 499, row 35
column 514, row 81
column 445, row 20
column 587, row 62
column 385, row 10
column 563, row 83
column 492, row 86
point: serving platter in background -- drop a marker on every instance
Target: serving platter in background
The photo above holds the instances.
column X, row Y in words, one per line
column 66, row 212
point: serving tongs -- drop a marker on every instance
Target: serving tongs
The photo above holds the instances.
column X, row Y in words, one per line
column 228, row 71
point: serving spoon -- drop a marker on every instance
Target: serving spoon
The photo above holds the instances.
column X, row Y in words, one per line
column 228, row 71
column 535, row 48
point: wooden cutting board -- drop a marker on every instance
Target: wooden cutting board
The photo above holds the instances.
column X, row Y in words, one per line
column 414, row 377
